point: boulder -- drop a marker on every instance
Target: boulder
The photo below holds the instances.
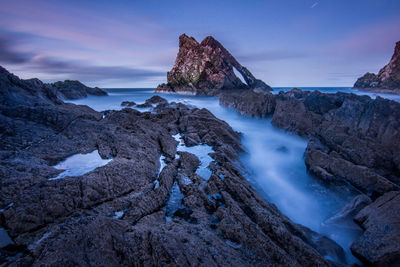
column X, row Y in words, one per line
column 127, row 103
column 379, row 245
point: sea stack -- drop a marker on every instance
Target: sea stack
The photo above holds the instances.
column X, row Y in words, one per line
column 207, row 68
column 388, row 78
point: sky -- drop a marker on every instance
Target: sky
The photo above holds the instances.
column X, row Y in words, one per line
column 115, row 44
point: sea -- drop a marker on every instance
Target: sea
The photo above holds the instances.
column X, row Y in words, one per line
column 274, row 160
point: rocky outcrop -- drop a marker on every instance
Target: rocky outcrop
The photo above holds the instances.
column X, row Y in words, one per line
column 249, row 103
column 127, row 104
column 118, row 214
column 352, row 138
column 74, row 90
column 207, row 68
column 353, row 141
column 388, row 78
column 380, row 243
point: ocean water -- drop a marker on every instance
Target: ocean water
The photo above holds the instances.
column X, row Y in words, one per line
column 274, row 161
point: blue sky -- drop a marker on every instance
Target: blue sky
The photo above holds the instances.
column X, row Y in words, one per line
column 134, row 43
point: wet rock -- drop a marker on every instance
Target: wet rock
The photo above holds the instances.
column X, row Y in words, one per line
column 188, row 162
column 325, row 246
column 127, row 103
column 379, row 245
column 388, row 78
column 352, row 137
column 72, row 221
column 350, row 209
column 249, row 103
column 156, row 100
column 207, row 68
column 5, row 240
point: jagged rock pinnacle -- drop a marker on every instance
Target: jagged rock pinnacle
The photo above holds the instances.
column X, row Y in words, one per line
column 207, row 68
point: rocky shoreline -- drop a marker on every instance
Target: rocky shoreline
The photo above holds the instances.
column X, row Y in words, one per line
column 117, row 213
column 353, row 140
column 149, row 204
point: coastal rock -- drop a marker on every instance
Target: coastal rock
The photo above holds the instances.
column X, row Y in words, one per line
column 352, row 137
column 117, row 214
column 249, row 103
column 207, row 68
column 380, row 243
column 74, row 89
column 349, row 210
column 388, row 78
column 127, row 103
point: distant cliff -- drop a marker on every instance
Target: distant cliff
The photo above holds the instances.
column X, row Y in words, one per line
column 388, row 78
column 206, row 68
column 75, row 89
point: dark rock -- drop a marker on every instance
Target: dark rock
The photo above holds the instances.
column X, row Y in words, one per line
column 325, row 246
column 5, row 240
column 188, row 162
column 156, row 100
column 388, row 78
column 127, row 103
column 249, row 103
column 74, row 89
column 380, row 243
column 114, row 215
column 207, row 68
column 153, row 100
column 352, row 137
column 349, row 210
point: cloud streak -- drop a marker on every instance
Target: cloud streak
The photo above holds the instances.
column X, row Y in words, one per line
column 58, row 67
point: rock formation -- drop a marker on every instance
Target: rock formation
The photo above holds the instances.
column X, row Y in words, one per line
column 388, row 78
column 117, row 214
column 380, row 243
column 75, row 89
column 353, row 141
column 207, row 68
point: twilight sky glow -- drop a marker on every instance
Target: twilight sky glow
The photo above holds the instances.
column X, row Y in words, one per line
column 134, row 43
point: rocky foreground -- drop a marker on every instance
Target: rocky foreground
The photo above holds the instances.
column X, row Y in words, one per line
column 388, row 78
column 206, row 68
column 353, row 141
column 123, row 213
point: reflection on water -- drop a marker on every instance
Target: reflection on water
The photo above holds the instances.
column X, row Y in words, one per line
column 80, row 164
column 274, row 162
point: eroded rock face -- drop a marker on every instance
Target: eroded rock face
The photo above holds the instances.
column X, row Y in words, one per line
column 380, row 243
column 115, row 215
column 352, row 139
column 74, row 89
column 388, row 78
column 249, row 103
column 207, row 68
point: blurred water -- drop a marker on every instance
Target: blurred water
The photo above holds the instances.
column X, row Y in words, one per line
column 274, row 161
